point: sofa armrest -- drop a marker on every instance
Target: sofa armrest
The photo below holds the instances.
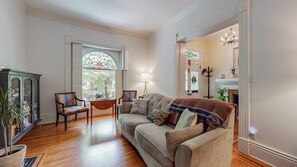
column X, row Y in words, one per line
column 124, row 108
column 213, row 148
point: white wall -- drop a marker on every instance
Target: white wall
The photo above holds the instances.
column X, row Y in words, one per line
column 47, row 50
column 13, row 35
column 274, row 59
column 274, row 62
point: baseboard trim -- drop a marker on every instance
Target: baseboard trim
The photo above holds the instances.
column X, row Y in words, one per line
column 51, row 118
column 266, row 154
column 47, row 118
column 243, row 145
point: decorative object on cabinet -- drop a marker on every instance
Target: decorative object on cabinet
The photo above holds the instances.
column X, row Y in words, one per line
column 25, row 90
column 10, row 114
column 208, row 72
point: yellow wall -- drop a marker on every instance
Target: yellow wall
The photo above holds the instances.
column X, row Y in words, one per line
column 214, row 55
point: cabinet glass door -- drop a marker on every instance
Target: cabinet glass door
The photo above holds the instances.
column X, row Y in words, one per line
column 27, row 103
column 35, row 100
column 15, row 99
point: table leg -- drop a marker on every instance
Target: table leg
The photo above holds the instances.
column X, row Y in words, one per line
column 91, row 114
column 116, row 111
column 113, row 113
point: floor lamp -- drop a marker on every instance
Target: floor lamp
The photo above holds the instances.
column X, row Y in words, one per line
column 145, row 77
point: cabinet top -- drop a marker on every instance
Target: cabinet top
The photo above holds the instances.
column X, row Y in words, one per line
column 11, row 71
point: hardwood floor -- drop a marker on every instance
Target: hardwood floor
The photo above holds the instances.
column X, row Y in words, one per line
column 98, row 146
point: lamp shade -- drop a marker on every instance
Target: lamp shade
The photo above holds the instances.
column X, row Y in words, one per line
column 146, row 76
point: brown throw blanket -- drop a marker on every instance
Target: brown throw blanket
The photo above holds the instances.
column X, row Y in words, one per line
column 210, row 111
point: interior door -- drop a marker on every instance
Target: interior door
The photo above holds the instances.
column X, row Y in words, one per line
column 189, row 74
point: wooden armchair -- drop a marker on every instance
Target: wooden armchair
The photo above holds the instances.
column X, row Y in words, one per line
column 128, row 96
column 66, row 104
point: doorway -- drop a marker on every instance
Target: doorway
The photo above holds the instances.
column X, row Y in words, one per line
column 214, row 68
column 195, row 56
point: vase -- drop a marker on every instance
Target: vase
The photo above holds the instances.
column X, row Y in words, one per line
column 15, row 159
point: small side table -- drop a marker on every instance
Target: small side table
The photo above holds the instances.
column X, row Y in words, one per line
column 103, row 104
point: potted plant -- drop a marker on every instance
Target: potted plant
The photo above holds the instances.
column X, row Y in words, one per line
column 222, row 94
column 10, row 156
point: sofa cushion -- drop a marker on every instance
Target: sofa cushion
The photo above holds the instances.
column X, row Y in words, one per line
column 158, row 116
column 75, row 109
column 130, row 121
column 139, row 106
column 186, row 119
column 152, row 139
column 156, row 100
column 175, row 137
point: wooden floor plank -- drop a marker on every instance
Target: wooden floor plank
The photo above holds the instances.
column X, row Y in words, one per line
column 99, row 145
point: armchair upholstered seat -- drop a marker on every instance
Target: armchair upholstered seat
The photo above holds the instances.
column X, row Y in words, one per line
column 75, row 109
column 66, row 104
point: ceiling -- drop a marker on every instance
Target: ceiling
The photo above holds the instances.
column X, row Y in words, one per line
column 142, row 17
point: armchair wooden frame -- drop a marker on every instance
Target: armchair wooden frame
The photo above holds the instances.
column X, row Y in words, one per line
column 123, row 98
column 69, row 107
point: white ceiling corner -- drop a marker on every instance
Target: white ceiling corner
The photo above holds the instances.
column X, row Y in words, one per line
column 82, row 23
column 21, row 4
column 186, row 11
column 138, row 18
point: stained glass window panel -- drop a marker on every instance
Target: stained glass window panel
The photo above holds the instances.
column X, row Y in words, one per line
column 193, row 54
column 99, row 60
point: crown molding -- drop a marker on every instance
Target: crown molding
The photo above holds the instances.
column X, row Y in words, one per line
column 238, row 7
column 21, row 5
column 188, row 10
column 82, row 23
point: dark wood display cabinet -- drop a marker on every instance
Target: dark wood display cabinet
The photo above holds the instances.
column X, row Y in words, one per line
column 25, row 90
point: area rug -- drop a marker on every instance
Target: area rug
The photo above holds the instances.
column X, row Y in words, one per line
column 32, row 161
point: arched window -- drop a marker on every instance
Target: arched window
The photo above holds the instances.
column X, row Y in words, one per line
column 99, row 60
column 98, row 75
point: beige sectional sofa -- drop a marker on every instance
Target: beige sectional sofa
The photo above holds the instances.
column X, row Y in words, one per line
column 212, row 148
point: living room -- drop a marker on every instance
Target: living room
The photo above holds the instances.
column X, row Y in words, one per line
column 39, row 41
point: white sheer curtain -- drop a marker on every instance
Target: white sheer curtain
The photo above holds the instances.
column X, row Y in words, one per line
column 76, row 66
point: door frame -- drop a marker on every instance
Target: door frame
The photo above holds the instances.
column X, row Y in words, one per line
column 243, row 19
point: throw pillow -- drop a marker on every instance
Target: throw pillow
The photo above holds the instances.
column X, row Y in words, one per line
column 139, row 106
column 125, row 107
column 175, row 137
column 172, row 119
column 158, row 116
column 186, row 119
